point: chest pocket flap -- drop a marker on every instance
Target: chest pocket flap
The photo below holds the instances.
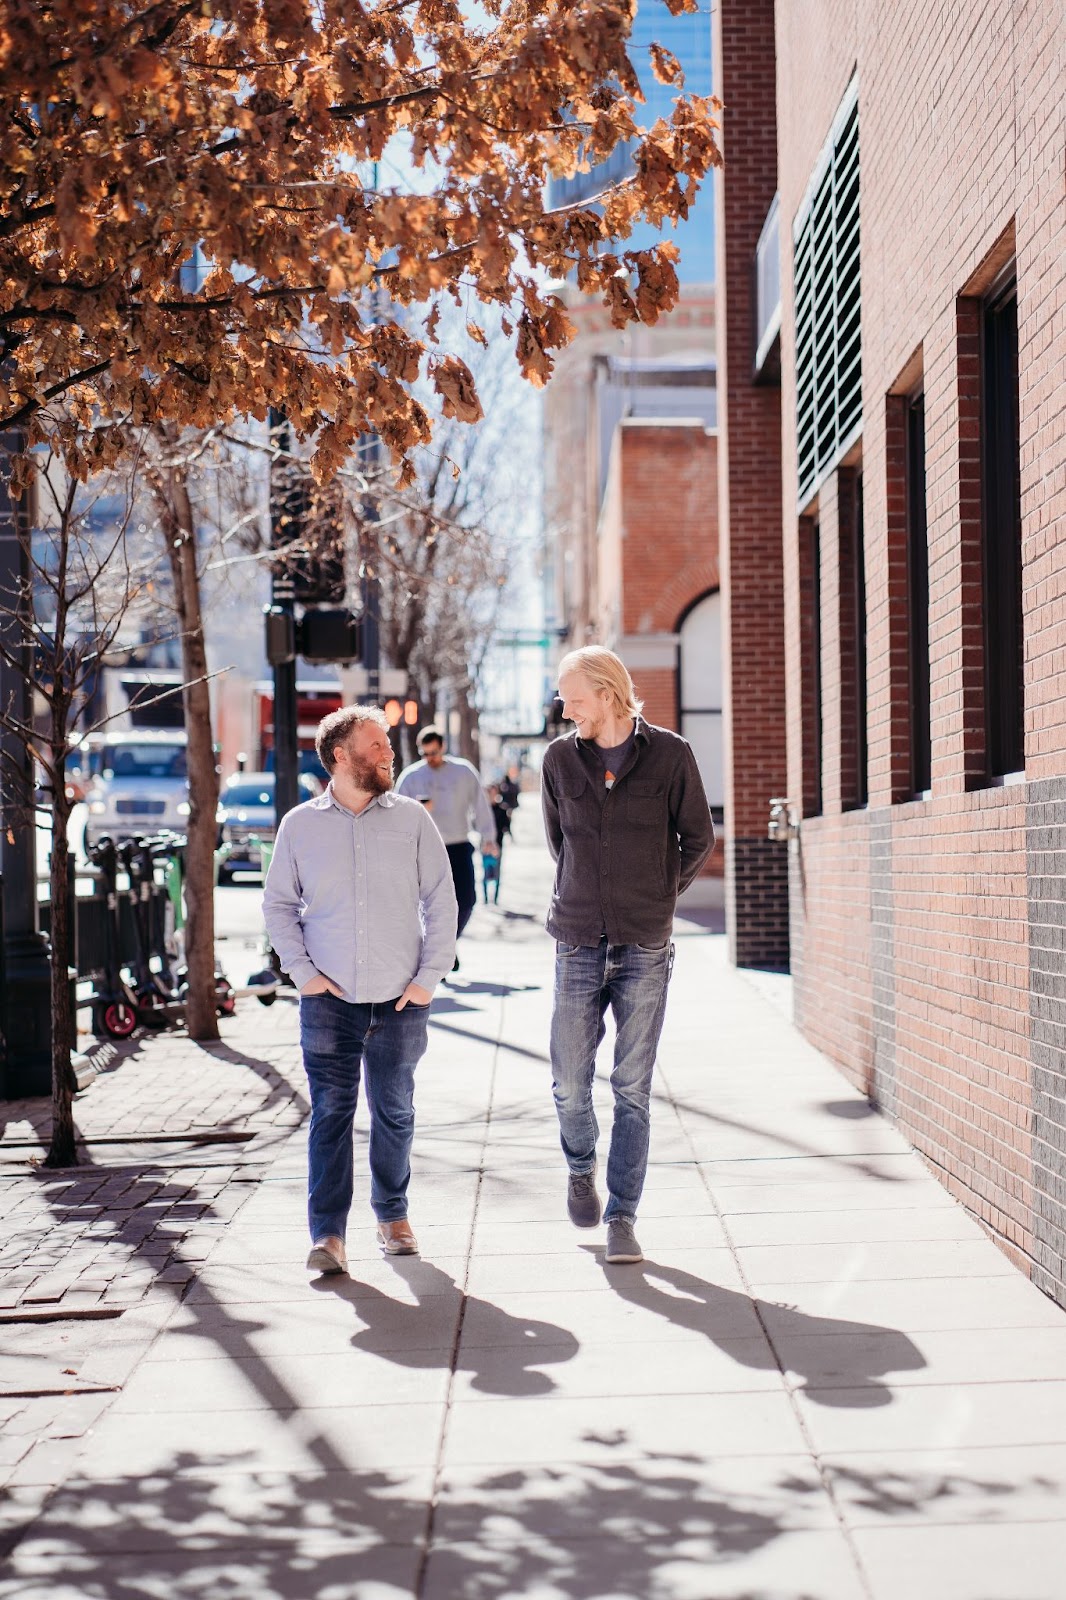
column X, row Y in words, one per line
column 644, row 800
column 572, row 785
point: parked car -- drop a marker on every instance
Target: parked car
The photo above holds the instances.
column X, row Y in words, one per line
column 246, row 818
column 137, row 783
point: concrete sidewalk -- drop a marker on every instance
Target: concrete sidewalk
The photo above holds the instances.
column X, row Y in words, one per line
column 824, row 1383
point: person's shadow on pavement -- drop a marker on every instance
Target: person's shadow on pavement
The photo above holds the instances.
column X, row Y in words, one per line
column 510, row 1349
column 856, row 1369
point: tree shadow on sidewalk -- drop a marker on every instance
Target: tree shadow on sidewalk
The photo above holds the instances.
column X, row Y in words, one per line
column 211, row 1525
column 859, row 1365
column 280, row 1090
column 305, row 1516
column 520, row 1346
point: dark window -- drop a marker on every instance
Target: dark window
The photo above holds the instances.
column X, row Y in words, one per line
column 861, row 784
column 918, row 596
column 1004, row 662
column 816, row 666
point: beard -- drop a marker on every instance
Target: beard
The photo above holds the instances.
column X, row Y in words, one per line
column 369, row 777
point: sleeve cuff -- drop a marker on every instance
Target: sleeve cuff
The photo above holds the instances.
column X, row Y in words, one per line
column 428, row 978
column 302, row 971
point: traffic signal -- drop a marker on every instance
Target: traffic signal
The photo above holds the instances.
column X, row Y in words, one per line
column 280, row 635
column 329, row 635
column 393, row 712
column 410, row 712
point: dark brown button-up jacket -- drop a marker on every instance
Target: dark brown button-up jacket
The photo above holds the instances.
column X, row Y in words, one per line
column 623, row 855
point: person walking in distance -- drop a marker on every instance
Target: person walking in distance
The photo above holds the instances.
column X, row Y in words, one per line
column 359, row 906
column 457, row 803
column 629, row 827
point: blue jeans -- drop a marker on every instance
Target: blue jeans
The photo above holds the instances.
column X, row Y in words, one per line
column 633, row 981
column 337, row 1040
column 461, row 861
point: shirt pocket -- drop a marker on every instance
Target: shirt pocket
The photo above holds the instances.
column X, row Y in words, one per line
column 571, row 792
column 644, row 801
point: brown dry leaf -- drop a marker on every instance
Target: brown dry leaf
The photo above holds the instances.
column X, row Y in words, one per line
column 666, row 67
column 454, row 382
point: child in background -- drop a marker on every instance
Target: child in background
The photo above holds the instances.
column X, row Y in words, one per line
column 490, row 865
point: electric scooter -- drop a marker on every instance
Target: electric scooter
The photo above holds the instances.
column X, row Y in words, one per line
column 113, row 1002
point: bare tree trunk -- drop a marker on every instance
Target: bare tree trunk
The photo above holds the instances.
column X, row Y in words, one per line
column 62, row 1151
column 177, row 517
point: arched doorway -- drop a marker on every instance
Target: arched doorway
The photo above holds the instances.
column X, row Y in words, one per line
column 699, row 664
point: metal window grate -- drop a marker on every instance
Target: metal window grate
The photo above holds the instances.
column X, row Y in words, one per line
column 828, row 305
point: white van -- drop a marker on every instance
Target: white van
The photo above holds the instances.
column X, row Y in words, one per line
column 138, row 783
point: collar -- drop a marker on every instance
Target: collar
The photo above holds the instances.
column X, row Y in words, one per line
column 324, row 802
column 640, row 732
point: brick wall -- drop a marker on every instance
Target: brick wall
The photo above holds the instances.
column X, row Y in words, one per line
column 658, row 553
column 572, row 508
column 749, row 497
column 929, row 934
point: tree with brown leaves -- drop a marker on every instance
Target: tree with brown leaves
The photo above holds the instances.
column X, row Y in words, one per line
column 139, row 139
column 131, row 134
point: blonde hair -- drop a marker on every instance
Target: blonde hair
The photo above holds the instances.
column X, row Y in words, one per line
column 607, row 672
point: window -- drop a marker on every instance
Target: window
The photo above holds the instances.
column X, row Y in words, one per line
column 1001, row 528
column 700, row 673
column 828, row 305
column 810, row 554
column 860, row 783
column 917, row 594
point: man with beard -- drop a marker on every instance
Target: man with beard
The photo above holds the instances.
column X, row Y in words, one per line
column 359, row 906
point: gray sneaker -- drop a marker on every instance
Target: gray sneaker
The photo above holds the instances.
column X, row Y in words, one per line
column 622, row 1247
column 582, row 1201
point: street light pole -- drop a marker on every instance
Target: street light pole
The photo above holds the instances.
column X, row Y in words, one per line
column 371, row 586
column 25, row 984
column 283, row 621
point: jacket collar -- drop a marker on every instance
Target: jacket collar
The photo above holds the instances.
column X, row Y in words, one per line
column 640, row 733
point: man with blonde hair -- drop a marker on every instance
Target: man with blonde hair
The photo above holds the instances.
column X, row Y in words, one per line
column 360, row 908
column 629, row 827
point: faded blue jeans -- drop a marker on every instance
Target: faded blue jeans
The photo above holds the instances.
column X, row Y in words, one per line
column 633, row 981
column 338, row 1039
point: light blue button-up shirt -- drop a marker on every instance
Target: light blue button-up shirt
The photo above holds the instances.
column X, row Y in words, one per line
column 457, row 796
column 365, row 899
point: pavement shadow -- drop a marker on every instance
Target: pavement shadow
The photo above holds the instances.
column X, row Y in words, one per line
column 480, row 1038
column 216, row 1526
column 850, row 1110
column 860, row 1363
column 209, row 1525
column 520, row 1346
column 847, row 1160
column 462, row 986
column 279, row 1088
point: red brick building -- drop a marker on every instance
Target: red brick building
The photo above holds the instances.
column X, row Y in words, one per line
column 631, row 512
column 919, row 633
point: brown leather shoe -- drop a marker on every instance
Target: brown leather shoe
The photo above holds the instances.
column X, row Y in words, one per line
column 396, row 1238
column 327, row 1255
